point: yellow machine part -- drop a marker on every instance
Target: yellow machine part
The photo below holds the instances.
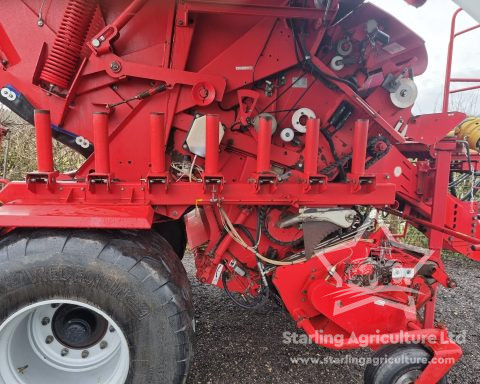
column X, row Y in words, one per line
column 469, row 130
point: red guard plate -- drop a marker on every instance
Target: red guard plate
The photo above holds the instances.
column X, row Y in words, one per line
column 76, row 216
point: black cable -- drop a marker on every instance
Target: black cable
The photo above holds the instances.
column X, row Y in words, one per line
column 264, row 294
column 224, row 233
column 229, row 109
column 308, row 64
column 284, row 91
column 298, row 100
column 333, row 151
column 257, row 304
column 263, row 50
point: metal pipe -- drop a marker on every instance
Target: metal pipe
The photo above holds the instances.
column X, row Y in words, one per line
column 157, row 142
column 448, row 72
column 428, row 224
column 264, row 144
column 128, row 13
column 227, row 240
column 43, row 132
column 212, row 142
column 311, row 147
column 101, row 142
column 359, row 152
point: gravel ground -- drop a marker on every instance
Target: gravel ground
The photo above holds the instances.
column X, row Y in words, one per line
column 233, row 345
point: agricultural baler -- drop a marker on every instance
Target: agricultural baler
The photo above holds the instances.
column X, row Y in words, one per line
column 271, row 136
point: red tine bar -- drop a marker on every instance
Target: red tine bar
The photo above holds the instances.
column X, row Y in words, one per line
column 264, row 144
column 101, row 142
column 212, row 145
column 311, row 147
column 43, row 133
column 359, row 155
column 157, row 142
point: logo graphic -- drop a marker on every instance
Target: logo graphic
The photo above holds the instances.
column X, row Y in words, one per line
column 368, row 279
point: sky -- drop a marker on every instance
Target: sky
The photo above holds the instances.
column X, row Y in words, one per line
column 432, row 23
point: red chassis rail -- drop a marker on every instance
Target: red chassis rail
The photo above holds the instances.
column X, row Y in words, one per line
column 150, row 73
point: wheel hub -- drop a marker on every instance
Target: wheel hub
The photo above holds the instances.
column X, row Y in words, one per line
column 62, row 341
column 409, row 377
column 78, row 327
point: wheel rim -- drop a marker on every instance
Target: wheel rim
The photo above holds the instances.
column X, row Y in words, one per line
column 409, row 377
column 61, row 341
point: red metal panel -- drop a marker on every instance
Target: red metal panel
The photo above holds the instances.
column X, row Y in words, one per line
column 77, row 216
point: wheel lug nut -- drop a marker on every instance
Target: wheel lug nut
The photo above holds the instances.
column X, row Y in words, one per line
column 54, row 305
column 45, row 321
column 64, row 352
column 85, row 354
column 49, row 339
column 103, row 345
column 112, row 329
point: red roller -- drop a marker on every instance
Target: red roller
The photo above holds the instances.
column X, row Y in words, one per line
column 311, row 147
column 157, row 142
column 212, row 145
column 264, row 144
column 43, row 133
column 100, row 134
column 360, row 139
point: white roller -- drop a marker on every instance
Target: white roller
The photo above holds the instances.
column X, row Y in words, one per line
column 197, row 135
column 406, row 95
column 256, row 121
column 287, row 134
column 337, row 63
column 300, row 117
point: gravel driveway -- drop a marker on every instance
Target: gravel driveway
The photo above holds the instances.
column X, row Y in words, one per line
column 233, row 345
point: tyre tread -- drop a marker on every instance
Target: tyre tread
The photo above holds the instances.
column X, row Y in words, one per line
column 122, row 249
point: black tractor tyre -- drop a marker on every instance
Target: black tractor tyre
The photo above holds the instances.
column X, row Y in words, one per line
column 411, row 361
column 133, row 276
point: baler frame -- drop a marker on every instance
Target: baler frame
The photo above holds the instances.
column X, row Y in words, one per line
column 99, row 198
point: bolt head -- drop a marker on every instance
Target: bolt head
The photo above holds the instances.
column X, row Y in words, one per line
column 49, row 339
column 115, row 66
column 103, row 345
column 85, row 354
column 64, row 352
column 96, row 43
column 112, row 329
column 45, row 321
column 40, row 23
column 349, row 217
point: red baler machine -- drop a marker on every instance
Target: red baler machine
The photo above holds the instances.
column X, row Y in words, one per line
column 271, row 135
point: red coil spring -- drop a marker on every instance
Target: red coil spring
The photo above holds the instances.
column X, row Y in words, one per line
column 63, row 59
